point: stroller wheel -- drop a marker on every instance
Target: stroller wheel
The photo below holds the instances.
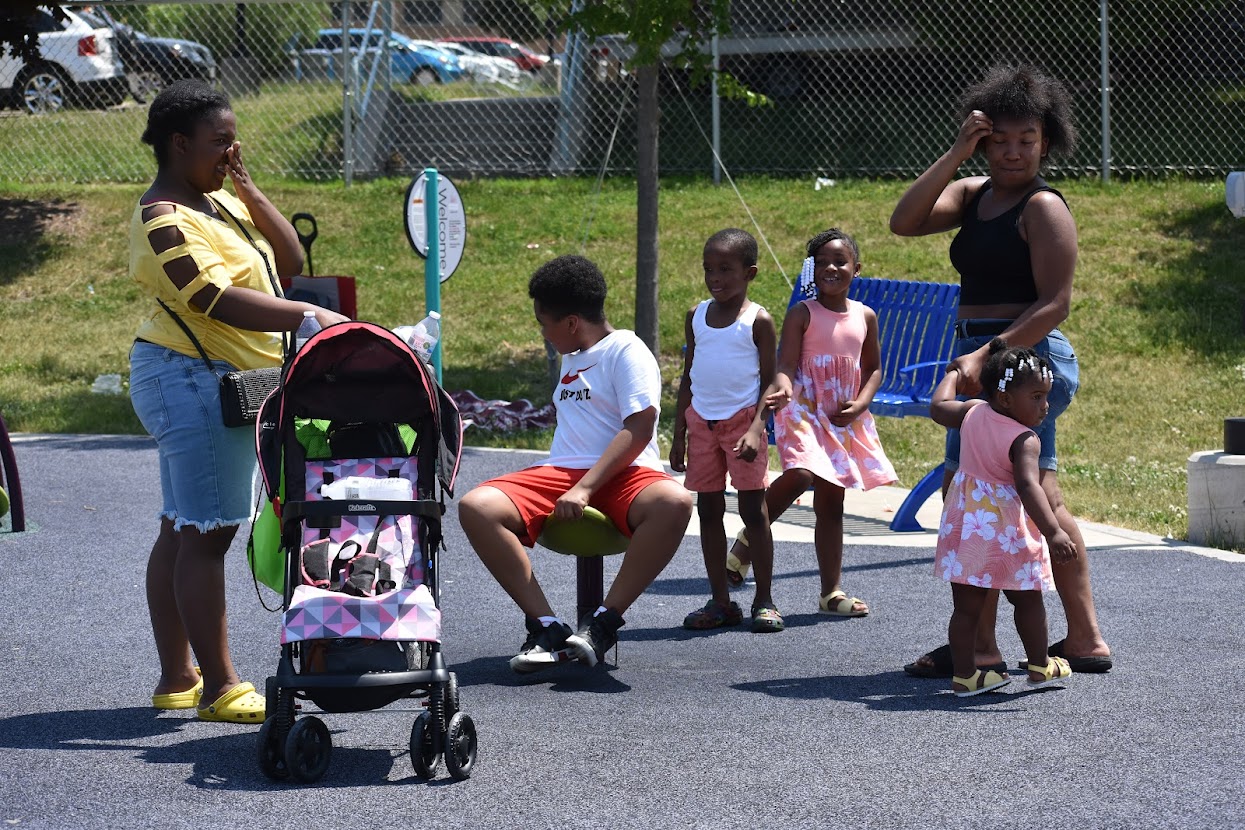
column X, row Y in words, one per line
column 460, row 746
column 308, row 749
column 271, row 754
column 424, row 757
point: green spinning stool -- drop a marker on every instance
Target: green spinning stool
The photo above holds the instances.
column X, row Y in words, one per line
column 588, row 538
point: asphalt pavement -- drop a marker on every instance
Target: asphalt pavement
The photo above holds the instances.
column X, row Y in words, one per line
column 816, row 726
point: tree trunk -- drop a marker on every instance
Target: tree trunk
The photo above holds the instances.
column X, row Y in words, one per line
column 647, row 115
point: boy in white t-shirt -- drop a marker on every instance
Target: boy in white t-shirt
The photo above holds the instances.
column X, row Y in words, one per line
column 604, row 454
column 719, row 424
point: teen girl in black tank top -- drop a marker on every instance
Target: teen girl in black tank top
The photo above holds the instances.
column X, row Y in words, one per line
column 991, row 256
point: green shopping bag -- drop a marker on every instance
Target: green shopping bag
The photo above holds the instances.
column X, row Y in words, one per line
column 263, row 548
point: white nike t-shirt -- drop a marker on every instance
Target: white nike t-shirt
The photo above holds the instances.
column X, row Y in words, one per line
column 600, row 387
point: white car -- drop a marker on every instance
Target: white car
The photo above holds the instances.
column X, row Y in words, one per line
column 77, row 64
column 484, row 68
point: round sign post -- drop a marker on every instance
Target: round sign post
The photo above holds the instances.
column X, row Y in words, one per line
column 432, row 261
column 436, row 227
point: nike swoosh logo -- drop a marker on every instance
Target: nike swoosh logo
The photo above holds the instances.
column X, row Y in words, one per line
column 571, row 378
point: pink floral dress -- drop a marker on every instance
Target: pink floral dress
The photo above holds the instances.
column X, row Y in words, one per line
column 828, row 373
column 986, row 538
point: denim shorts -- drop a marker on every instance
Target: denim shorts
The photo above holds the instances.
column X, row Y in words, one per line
column 1058, row 352
column 207, row 470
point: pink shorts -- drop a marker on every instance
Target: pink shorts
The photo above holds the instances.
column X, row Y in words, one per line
column 535, row 491
column 710, row 454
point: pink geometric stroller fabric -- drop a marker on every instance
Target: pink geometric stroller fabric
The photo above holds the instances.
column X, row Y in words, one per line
column 403, row 614
column 396, row 543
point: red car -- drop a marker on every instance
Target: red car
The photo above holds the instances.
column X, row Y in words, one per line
column 500, row 47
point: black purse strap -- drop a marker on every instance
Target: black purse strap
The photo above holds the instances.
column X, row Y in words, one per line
column 272, row 279
column 202, row 353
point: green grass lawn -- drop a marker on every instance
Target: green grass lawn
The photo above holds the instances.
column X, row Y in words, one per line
column 1156, row 318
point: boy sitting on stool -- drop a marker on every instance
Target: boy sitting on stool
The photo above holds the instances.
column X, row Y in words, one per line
column 604, row 454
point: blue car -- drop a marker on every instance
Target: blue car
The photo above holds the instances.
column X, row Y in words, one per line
column 409, row 62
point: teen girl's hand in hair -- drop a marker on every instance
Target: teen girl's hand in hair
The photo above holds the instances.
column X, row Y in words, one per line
column 936, row 200
column 975, row 127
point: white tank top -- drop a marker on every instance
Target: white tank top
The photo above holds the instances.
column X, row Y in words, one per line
column 726, row 369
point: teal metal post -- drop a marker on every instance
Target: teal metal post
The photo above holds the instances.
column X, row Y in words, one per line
column 432, row 263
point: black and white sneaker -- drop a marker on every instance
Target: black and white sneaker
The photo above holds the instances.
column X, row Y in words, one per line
column 595, row 637
column 540, row 647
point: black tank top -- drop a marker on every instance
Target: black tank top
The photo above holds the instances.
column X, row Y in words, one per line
column 991, row 256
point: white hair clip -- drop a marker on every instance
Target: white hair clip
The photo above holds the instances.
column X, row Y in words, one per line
column 1008, row 374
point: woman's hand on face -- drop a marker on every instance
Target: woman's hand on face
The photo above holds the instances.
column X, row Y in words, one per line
column 975, row 127
column 237, row 170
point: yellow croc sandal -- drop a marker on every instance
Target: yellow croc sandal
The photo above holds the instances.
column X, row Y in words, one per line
column 1055, row 673
column 188, row 699
column 980, row 683
column 238, row 705
column 737, row 570
column 840, row 604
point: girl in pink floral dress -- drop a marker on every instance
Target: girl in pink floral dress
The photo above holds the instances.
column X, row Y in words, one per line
column 829, row 368
column 996, row 514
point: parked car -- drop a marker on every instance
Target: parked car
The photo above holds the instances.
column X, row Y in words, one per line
column 484, row 68
column 152, row 63
column 77, row 65
column 408, row 62
column 500, row 47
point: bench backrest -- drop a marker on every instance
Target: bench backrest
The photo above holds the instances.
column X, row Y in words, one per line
column 916, row 326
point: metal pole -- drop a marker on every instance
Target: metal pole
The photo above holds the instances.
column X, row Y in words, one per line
column 432, row 263
column 1106, row 93
column 717, row 115
column 347, row 98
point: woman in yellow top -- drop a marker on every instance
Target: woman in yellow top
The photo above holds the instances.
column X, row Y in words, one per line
column 212, row 259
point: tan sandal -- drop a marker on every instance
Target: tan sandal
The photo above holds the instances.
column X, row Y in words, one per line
column 1054, row 673
column 980, row 683
column 840, row 604
column 736, row 570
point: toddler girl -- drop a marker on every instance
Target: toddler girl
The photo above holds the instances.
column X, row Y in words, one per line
column 995, row 514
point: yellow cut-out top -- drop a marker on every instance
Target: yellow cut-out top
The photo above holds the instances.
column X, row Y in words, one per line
column 223, row 257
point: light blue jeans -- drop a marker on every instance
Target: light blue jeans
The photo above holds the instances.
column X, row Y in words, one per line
column 207, row 470
column 1058, row 352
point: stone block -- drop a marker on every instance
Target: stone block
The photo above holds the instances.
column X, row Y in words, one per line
column 1217, row 499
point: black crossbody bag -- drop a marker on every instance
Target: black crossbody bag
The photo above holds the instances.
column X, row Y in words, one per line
column 242, row 392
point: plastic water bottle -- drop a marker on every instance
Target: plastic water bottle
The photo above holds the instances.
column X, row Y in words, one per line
column 424, row 335
column 309, row 326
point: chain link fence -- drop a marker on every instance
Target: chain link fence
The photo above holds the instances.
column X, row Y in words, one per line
column 491, row 87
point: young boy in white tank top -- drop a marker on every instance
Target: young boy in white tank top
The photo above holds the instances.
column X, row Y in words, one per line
column 719, row 424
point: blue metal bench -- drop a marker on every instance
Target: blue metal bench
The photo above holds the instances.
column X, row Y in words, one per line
column 916, row 326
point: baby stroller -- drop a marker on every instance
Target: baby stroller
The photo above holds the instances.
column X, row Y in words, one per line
column 364, row 444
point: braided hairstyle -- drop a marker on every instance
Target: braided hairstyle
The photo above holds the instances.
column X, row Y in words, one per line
column 820, row 240
column 1025, row 92
column 179, row 108
column 1006, row 366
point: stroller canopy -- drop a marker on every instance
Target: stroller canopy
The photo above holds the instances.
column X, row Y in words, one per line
column 357, row 372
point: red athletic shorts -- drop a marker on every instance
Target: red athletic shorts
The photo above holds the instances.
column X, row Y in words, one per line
column 536, row 490
column 710, row 454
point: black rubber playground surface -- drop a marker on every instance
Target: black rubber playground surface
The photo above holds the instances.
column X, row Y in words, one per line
column 814, row 727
